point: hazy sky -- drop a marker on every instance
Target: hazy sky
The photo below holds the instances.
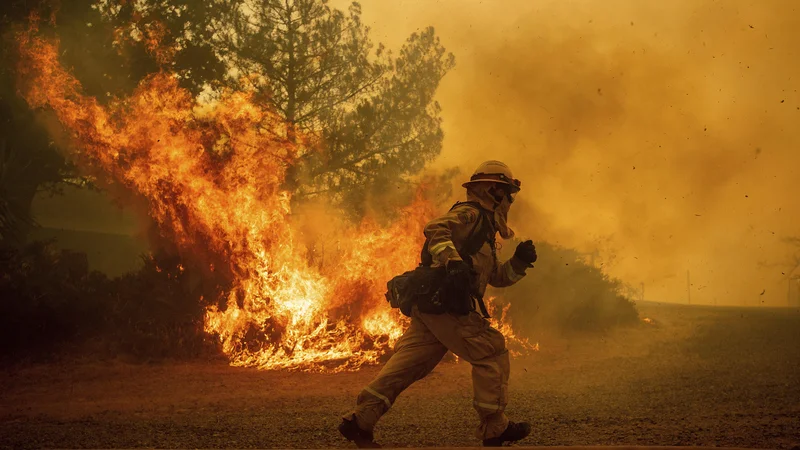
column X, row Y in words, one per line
column 663, row 133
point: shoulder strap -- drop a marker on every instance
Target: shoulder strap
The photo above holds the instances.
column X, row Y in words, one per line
column 483, row 231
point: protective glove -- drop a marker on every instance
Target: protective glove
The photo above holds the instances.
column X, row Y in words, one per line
column 526, row 252
column 457, row 289
column 459, row 273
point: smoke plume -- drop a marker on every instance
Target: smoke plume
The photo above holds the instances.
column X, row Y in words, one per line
column 660, row 134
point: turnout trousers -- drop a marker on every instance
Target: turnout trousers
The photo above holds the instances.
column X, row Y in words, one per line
column 420, row 349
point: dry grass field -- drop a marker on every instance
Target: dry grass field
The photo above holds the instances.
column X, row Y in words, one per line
column 695, row 376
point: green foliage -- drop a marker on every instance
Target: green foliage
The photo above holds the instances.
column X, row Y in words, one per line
column 177, row 36
column 47, row 297
column 563, row 293
column 51, row 302
column 28, row 164
column 388, row 135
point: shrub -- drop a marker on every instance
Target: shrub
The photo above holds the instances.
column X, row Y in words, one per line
column 52, row 302
column 563, row 293
column 47, row 297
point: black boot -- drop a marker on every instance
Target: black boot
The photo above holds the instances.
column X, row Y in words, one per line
column 513, row 433
column 351, row 432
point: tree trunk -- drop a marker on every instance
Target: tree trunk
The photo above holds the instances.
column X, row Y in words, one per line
column 291, row 183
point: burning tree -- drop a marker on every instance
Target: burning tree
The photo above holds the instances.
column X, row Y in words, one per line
column 218, row 115
column 368, row 118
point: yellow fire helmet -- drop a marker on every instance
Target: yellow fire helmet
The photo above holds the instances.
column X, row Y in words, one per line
column 496, row 172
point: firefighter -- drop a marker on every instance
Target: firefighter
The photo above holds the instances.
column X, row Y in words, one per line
column 490, row 192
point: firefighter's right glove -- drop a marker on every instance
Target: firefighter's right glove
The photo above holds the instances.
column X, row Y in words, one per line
column 526, row 252
column 459, row 272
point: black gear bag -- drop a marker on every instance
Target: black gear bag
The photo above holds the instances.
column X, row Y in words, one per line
column 417, row 287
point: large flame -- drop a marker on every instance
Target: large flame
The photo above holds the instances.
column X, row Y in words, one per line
column 212, row 177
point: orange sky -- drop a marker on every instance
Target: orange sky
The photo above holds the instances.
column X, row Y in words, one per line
column 664, row 134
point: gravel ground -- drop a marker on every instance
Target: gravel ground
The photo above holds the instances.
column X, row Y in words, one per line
column 697, row 376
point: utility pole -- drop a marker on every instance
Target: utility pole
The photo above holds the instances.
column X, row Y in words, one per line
column 796, row 278
column 793, row 292
column 797, row 291
column 688, row 289
column 642, row 292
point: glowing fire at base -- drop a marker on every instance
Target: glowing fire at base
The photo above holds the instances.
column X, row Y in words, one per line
column 212, row 179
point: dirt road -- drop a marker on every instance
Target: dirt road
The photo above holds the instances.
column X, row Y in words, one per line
column 697, row 376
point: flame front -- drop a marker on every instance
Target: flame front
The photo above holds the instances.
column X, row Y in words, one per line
column 212, row 177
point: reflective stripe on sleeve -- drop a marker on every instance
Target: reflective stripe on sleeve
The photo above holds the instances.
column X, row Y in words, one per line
column 512, row 275
column 440, row 247
column 379, row 395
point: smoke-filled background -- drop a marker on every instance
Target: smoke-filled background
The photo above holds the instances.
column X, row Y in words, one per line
column 660, row 135
column 209, row 184
column 663, row 135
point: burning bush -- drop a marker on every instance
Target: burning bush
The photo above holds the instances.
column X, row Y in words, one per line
column 54, row 304
column 212, row 178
